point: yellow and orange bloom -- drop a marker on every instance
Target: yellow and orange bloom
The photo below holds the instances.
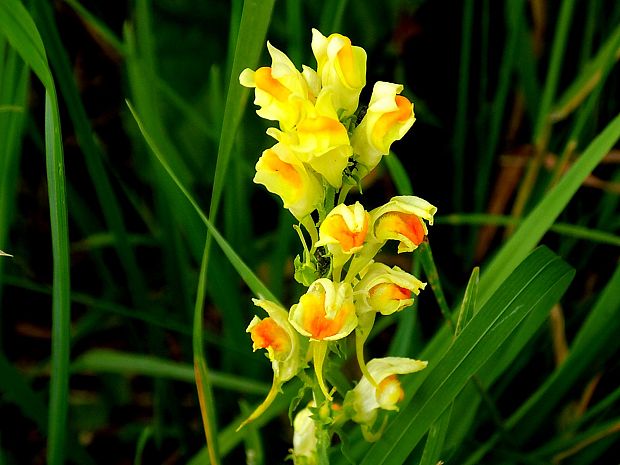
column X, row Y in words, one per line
column 325, row 312
column 344, row 229
column 341, row 68
column 388, row 118
column 280, row 89
column 282, row 174
column 402, row 219
column 386, row 290
column 365, row 400
column 284, row 347
column 320, row 140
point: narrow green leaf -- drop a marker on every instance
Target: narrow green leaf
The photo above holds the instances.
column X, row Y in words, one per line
column 229, row 438
column 432, row 274
column 92, row 150
column 462, row 117
column 565, row 229
column 468, row 306
column 436, row 438
column 560, row 40
column 113, row 361
column 21, row 32
column 532, row 288
column 588, row 78
column 258, row 288
column 538, row 222
column 399, row 174
column 596, row 341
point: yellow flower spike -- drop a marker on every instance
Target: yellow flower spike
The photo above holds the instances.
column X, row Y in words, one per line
column 282, row 174
column 275, row 334
column 341, row 68
column 324, row 313
column 280, row 89
column 388, row 118
column 364, row 401
column 401, row 219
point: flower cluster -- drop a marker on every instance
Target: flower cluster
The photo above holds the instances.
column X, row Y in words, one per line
column 325, row 144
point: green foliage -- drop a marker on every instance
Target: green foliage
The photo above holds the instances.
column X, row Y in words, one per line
column 123, row 330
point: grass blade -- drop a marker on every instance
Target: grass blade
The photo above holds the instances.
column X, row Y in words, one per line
column 532, row 288
column 542, row 217
column 113, row 361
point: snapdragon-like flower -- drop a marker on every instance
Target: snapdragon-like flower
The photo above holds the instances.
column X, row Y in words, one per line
column 325, row 313
column 280, row 90
column 386, row 290
column 388, row 118
column 284, row 348
column 344, row 231
column 320, row 139
column 341, row 68
column 382, row 290
column 284, row 175
column 401, row 219
column 366, row 399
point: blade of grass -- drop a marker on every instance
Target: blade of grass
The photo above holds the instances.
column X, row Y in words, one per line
column 113, row 361
column 542, row 217
column 513, row 16
column 533, row 287
column 21, row 32
column 432, row 274
column 468, row 306
column 14, row 82
column 566, row 229
column 460, row 129
column 591, row 344
column 255, row 18
column 542, row 126
column 229, row 438
column 91, row 149
column 589, row 77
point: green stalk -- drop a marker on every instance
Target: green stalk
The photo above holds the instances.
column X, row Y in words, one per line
column 542, row 127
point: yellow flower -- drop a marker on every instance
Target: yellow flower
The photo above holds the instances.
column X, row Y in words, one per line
column 365, row 400
column 277, row 336
column 325, row 312
column 344, row 229
column 402, row 219
column 282, row 174
column 386, row 290
column 4, row 254
column 388, row 118
column 280, row 90
column 341, row 68
column 319, row 140
column 284, row 348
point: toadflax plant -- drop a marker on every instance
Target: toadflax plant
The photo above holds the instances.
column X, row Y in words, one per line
column 326, row 142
